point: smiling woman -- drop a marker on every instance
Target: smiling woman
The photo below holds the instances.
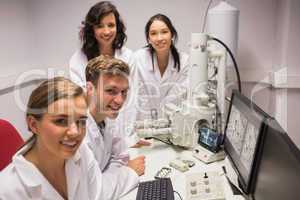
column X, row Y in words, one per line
column 56, row 115
column 162, row 70
column 103, row 33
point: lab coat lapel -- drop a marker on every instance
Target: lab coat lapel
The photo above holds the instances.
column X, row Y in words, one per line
column 168, row 80
column 107, row 139
column 100, row 145
column 156, row 71
column 169, row 71
column 73, row 174
column 37, row 185
column 94, row 132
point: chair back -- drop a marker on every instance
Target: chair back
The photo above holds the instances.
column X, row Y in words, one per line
column 10, row 142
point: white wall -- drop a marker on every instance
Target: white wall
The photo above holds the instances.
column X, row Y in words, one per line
column 257, row 38
column 293, row 110
column 15, row 36
column 293, row 43
column 52, row 36
column 186, row 16
column 57, row 21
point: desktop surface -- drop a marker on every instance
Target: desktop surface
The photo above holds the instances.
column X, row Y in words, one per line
column 159, row 155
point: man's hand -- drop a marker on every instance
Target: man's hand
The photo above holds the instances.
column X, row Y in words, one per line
column 138, row 165
column 141, row 143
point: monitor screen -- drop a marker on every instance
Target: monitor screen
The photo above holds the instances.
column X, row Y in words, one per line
column 243, row 132
column 278, row 175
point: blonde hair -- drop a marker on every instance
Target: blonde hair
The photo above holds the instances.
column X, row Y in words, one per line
column 50, row 91
column 105, row 64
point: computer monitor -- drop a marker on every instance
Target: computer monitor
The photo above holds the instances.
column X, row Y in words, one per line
column 243, row 138
column 278, row 175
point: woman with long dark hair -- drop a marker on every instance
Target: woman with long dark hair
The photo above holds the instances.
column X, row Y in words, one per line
column 161, row 69
column 103, row 33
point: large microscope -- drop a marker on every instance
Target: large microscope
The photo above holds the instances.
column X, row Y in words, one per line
column 204, row 106
column 206, row 77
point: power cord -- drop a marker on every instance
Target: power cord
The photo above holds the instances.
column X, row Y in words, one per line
column 233, row 60
column 168, row 142
column 178, row 194
column 205, row 16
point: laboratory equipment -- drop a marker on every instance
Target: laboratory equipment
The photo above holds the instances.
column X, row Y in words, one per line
column 200, row 109
column 205, row 186
column 209, row 139
column 204, row 106
column 179, row 165
column 244, row 132
column 207, row 156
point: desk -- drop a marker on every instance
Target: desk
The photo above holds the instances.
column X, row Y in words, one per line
column 159, row 155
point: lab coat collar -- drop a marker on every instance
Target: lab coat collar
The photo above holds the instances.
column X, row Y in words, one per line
column 73, row 174
column 169, row 71
column 37, row 185
column 169, row 67
column 118, row 53
column 92, row 126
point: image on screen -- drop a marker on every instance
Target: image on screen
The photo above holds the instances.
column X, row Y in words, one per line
column 243, row 132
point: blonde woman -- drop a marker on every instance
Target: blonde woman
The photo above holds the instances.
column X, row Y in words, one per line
column 54, row 164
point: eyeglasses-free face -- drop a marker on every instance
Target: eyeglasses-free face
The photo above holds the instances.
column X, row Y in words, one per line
column 111, row 94
column 61, row 130
column 160, row 36
column 105, row 32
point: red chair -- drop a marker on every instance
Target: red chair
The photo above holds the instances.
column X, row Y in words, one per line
column 10, row 141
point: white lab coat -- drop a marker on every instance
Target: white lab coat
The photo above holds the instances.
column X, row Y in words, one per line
column 78, row 63
column 154, row 90
column 22, row 180
column 110, row 151
column 124, row 122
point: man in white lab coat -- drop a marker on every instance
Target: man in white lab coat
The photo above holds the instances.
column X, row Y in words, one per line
column 107, row 86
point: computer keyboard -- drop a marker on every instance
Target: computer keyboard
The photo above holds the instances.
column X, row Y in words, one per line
column 159, row 189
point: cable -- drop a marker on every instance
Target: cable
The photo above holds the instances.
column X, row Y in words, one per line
column 166, row 142
column 178, row 194
column 234, row 62
column 205, row 16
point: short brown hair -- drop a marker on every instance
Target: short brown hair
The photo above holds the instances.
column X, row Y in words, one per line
column 106, row 64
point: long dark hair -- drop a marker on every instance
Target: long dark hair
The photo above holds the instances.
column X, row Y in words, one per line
column 93, row 17
column 174, row 35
